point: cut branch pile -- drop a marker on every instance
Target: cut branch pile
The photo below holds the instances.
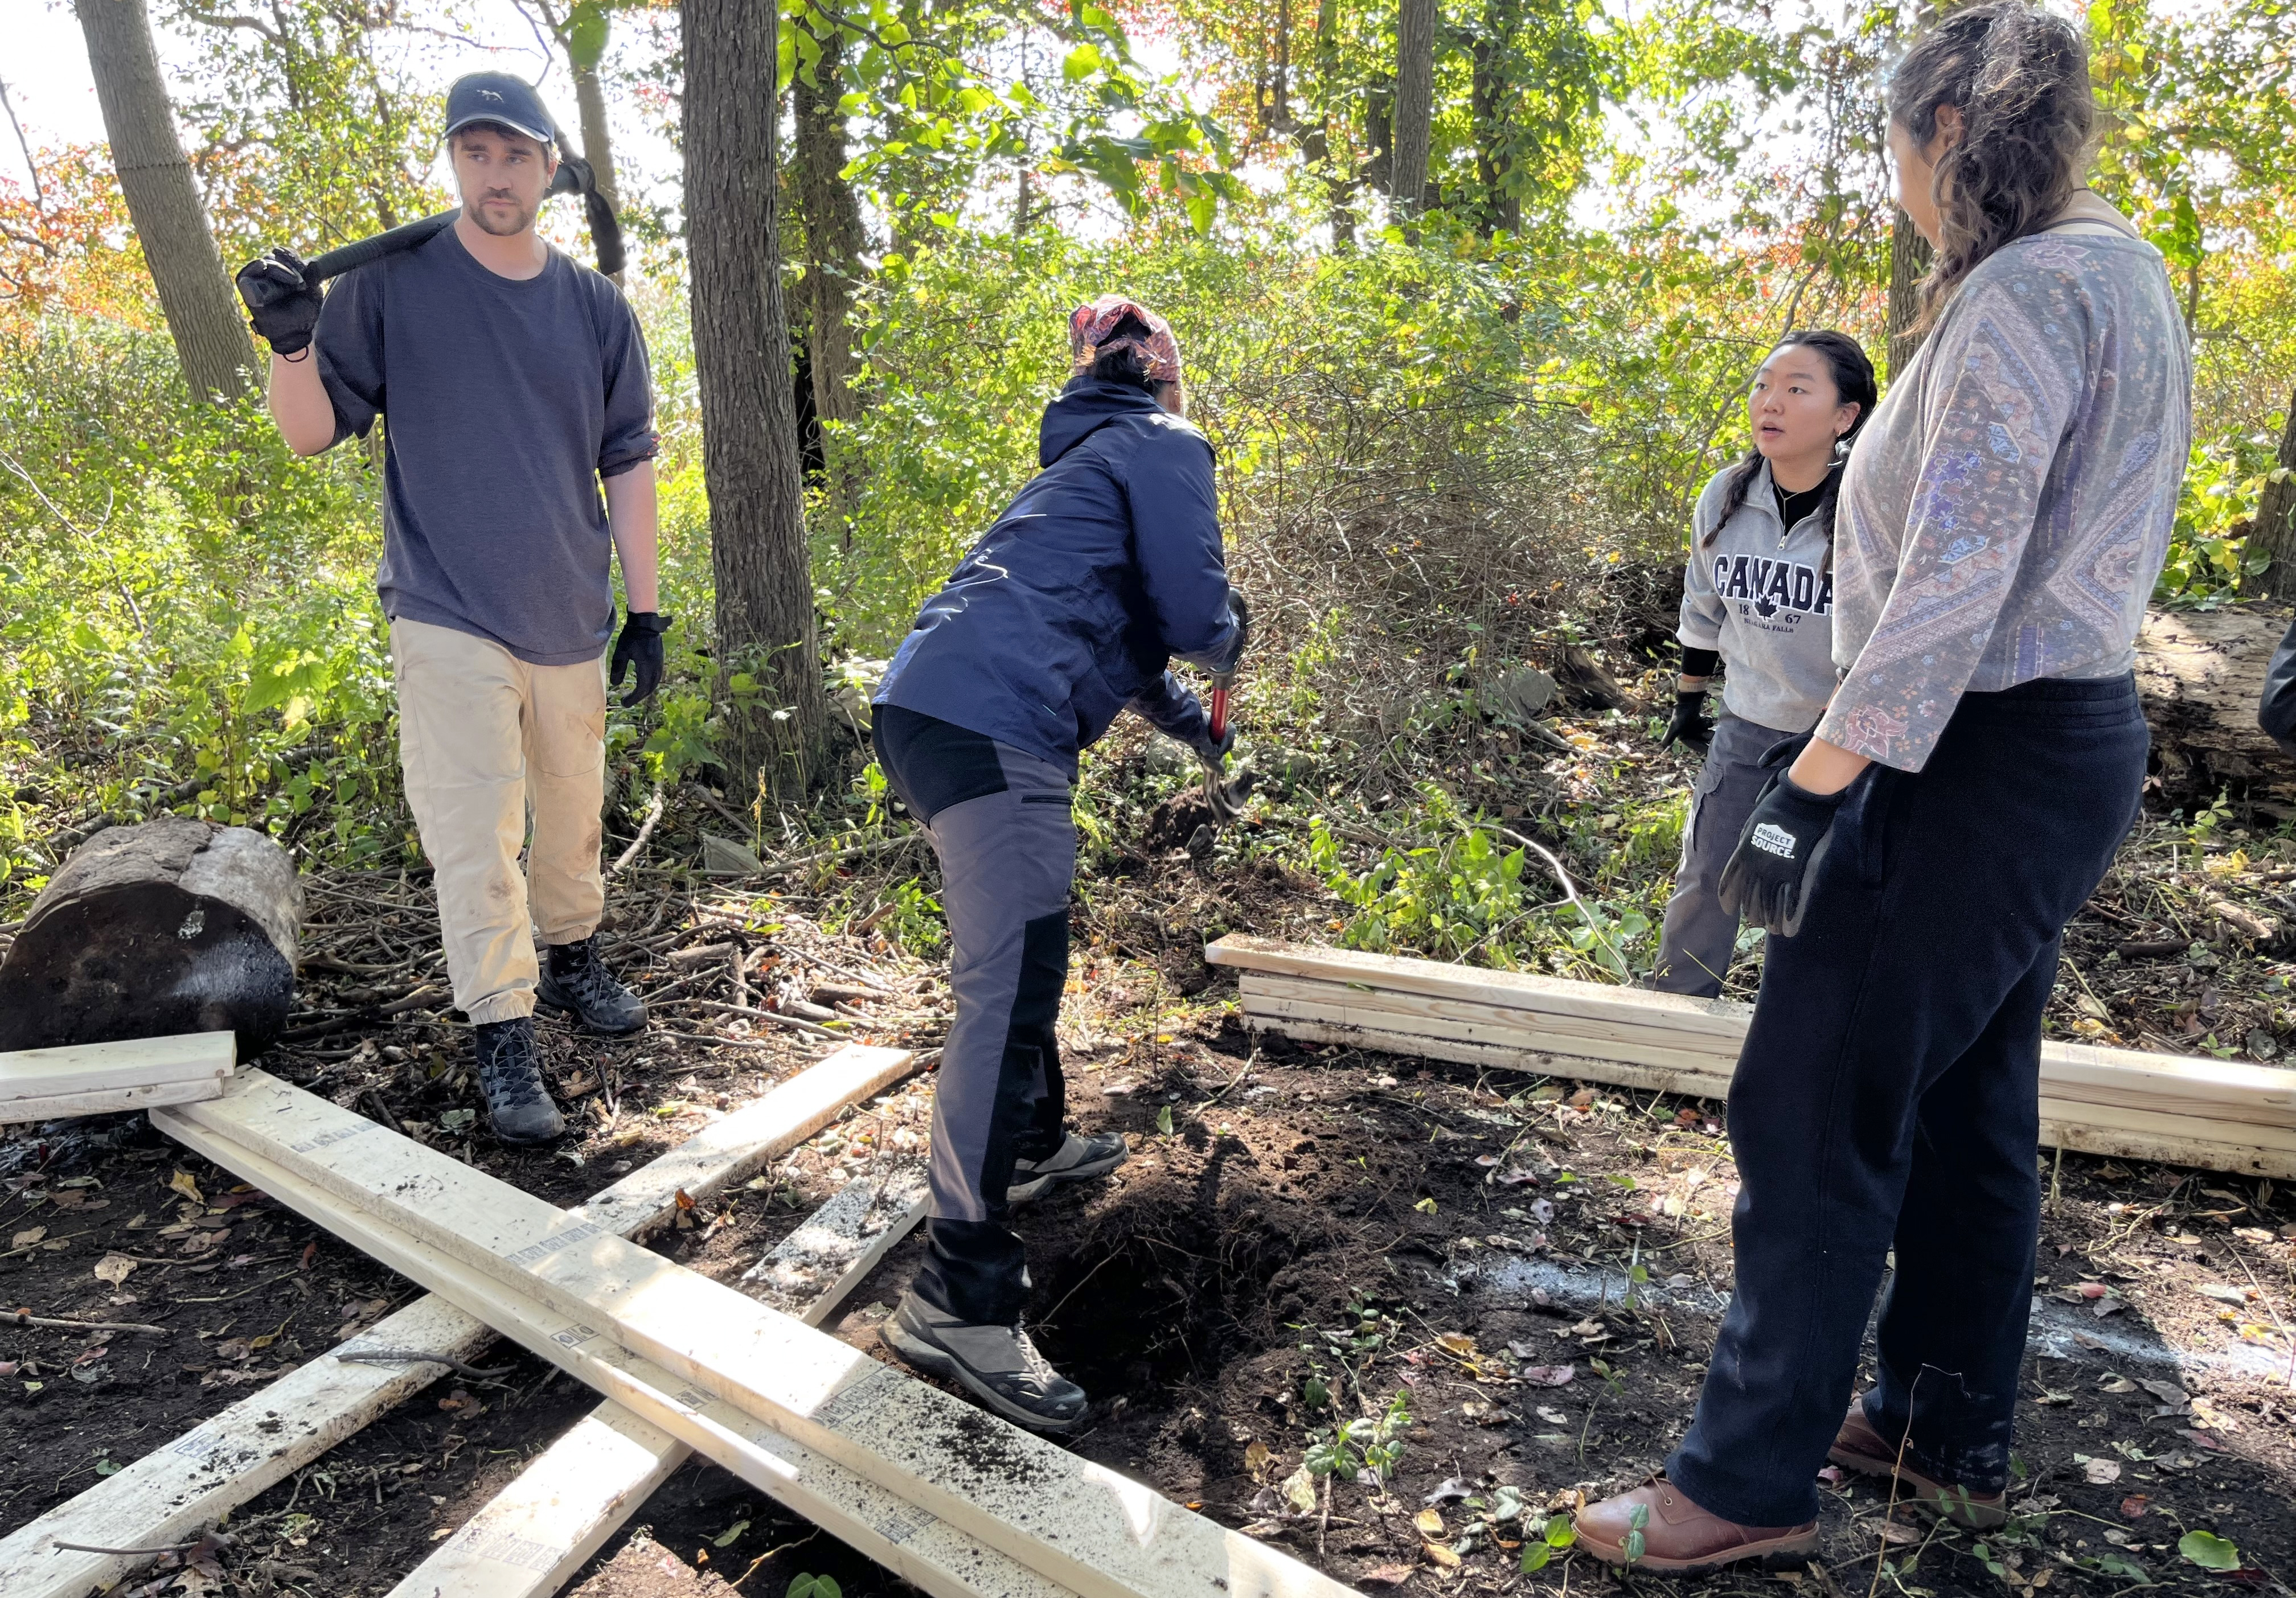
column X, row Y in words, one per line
column 2216, row 1114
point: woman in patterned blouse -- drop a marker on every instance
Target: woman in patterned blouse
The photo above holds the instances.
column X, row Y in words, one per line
column 2004, row 517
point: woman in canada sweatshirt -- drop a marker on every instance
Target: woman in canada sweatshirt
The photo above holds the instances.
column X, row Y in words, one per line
column 1758, row 600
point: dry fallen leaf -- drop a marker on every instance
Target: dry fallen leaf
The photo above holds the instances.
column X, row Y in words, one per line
column 1549, row 1375
column 2133, row 1506
column 182, row 1182
column 2101, row 1472
column 1256, row 1458
column 1441, row 1555
column 1553, row 1417
column 114, row 1269
column 25, row 1239
column 1429, row 1522
column 1385, row 1576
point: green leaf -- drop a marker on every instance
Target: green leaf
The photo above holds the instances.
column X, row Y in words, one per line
column 1560, row 1532
column 731, row 1535
column 1203, row 207
column 1082, row 63
column 1535, row 1557
column 2209, row 1551
column 586, row 33
column 1164, row 1121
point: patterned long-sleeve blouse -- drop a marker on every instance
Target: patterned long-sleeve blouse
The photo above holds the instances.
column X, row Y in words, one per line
column 2007, row 512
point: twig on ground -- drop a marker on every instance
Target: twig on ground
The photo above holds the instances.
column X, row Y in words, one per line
column 26, row 1318
column 415, row 1356
column 645, row 830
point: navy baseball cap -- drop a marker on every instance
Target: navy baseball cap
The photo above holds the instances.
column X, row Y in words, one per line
column 499, row 97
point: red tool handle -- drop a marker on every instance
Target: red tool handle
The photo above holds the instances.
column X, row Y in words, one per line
column 1219, row 713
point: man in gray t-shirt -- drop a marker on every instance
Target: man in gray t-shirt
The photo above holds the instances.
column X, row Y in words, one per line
column 513, row 384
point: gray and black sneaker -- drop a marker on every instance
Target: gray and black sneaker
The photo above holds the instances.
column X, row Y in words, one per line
column 1077, row 1159
column 576, row 982
column 510, row 1074
column 998, row 1364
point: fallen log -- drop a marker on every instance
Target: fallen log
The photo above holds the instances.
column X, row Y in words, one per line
column 172, row 926
column 2200, row 674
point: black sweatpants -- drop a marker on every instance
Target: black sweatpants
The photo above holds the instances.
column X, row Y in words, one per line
column 1888, row 1095
column 999, row 819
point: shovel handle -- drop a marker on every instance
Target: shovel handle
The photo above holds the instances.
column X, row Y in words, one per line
column 1219, row 711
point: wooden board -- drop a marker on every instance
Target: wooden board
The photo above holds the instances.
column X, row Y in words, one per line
column 810, row 1271
column 1079, row 1525
column 913, row 1543
column 535, row 1533
column 105, row 1067
column 112, row 1101
column 266, row 1437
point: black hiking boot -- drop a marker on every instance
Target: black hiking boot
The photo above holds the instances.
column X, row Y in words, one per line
column 1077, row 1159
column 998, row 1364
column 510, row 1074
column 576, row 982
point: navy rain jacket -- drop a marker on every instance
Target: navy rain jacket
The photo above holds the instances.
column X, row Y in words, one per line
column 1069, row 607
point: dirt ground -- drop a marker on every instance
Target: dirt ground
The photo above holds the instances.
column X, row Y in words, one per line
column 1513, row 1282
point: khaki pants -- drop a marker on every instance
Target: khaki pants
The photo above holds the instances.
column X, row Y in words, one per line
column 486, row 739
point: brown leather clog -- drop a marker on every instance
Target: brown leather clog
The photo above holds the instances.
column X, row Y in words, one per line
column 1859, row 1447
column 1678, row 1537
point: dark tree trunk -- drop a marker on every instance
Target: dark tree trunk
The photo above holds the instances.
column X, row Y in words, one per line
column 742, row 365
column 1415, row 104
column 1501, row 208
column 2274, row 532
column 171, row 926
column 195, row 291
column 833, row 243
column 1909, row 261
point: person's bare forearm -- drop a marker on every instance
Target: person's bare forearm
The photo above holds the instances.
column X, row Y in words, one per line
column 1824, row 768
column 632, row 515
column 299, row 404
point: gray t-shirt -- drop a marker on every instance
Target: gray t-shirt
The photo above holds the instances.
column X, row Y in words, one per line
column 507, row 400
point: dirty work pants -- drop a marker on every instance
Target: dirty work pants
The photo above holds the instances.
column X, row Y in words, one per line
column 485, row 739
column 1699, row 936
column 999, row 819
column 1888, row 1095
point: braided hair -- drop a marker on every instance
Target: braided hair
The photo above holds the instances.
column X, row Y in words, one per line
column 2019, row 78
column 1853, row 384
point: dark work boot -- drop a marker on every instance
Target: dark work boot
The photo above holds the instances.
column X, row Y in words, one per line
column 1077, row 1159
column 576, row 982
column 510, row 1074
column 998, row 1364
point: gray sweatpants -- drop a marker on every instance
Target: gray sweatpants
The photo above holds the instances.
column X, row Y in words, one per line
column 1699, row 936
column 999, row 819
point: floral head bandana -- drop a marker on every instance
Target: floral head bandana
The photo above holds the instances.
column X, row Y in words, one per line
column 1090, row 325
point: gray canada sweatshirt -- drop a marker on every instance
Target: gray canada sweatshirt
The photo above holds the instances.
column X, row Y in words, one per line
column 1762, row 595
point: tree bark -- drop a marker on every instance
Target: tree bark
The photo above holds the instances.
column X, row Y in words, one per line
column 1415, row 104
column 2273, row 533
column 766, row 625
column 195, row 291
column 833, row 243
column 1502, row 211
column 597, row 138
column 1909, row 261
column 173, row 925
column 2200, row 675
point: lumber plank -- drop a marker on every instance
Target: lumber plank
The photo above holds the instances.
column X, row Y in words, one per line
column 1583, row 1067
column 112, row 1101
column 812, row 1269
column 1420, row 1016
column 534, row 1535
column 1723, row 1018
column 913, row 1543
column 103, row 1066
column 1079, row 1525
column 545, row 1526
column 241, row 1452
column 2129, row 1079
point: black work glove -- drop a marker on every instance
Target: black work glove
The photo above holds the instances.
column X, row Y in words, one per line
column 1211, row 750
column 1767, row 881
column 1688, row 727
column 1242, row 613
column 281, row 306
column 640, row 645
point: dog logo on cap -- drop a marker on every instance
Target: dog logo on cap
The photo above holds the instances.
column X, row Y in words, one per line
column 489, row 94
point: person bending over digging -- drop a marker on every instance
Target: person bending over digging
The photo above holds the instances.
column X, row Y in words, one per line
column 514, row 380
column 2004, row 515
column 1066, row 612
column 1758, row 598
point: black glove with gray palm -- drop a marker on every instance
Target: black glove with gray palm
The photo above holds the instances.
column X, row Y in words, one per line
column 640, row 646
column 1768, row 880
column 1688, row 726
